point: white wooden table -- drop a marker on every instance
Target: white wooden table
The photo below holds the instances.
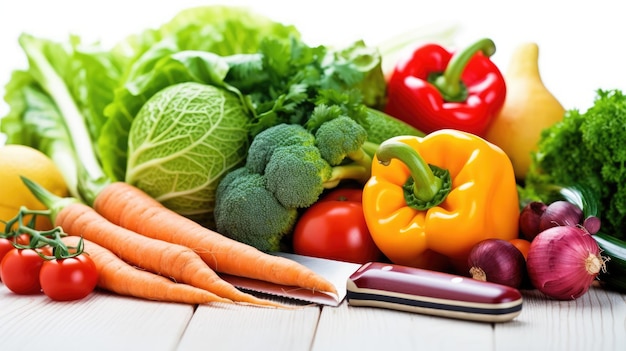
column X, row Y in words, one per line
column 102, row 321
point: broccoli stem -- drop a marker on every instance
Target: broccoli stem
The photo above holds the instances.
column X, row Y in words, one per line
column 359, row 169
column 370, row 148
column 361, row 158
column 353, row 171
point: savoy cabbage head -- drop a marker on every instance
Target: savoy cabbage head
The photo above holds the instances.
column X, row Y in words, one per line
column 184, row 139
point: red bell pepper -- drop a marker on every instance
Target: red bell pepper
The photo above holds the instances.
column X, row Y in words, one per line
column 436, row 89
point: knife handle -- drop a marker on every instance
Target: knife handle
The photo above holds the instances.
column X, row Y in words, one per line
column 435, row 293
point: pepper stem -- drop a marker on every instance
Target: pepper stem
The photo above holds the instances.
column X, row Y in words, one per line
column 449, row 83
column 428, row 185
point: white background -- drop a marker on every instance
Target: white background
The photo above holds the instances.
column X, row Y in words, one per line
column 582, row 43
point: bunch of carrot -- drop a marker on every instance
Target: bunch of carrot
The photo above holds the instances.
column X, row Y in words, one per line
column 177, row 258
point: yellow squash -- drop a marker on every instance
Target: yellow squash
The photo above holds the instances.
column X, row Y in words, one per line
column 529, row 108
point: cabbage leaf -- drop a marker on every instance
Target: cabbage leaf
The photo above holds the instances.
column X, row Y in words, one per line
column 183, row 141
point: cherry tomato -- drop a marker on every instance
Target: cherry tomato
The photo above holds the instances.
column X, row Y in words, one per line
column 20, row 271
column 68, row 279
column 335, row 228
column 23, row 239
column 6, row 245
column 46, row 250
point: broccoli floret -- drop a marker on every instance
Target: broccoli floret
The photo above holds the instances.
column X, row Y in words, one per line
column 343, row 144
column 264, row 143
column 297, row 174
column 587, row 148
column 247, row 212
column 342, row 137
column 300, row 164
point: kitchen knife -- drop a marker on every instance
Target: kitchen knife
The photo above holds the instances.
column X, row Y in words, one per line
column 428, row 292
column 398, row 287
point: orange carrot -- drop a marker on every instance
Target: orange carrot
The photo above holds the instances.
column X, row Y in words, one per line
column 119, row 277
column 170, row 260
column 129, row 207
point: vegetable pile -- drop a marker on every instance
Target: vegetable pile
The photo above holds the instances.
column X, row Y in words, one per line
column 195, row 148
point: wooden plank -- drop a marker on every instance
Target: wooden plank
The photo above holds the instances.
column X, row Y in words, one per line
column 101, row 321
column 594, row 321
column 238, row 327
column 364, row 328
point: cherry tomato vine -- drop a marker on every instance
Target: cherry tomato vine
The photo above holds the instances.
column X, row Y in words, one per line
column 32, row 261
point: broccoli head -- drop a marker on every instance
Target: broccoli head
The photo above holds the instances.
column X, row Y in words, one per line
column 247, row 212
column 297, row 174
column 264, row 143
column 341, row 138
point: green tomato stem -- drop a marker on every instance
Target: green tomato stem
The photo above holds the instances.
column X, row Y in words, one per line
column 41, row 238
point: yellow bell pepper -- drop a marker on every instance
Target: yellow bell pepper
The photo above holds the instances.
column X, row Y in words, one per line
column 436, row 196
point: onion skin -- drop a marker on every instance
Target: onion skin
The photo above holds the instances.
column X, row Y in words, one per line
column 530, row 218
column 497, row 261
column 563, row 262
column 560, row 213
column 592, row 224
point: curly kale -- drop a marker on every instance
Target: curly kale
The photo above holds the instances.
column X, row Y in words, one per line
column 588, row 148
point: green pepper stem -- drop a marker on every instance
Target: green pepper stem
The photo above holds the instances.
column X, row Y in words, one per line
column 449, row 83
column 425, row 184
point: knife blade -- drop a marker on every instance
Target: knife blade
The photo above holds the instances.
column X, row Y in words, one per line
column 397, row 287
column 336, row 272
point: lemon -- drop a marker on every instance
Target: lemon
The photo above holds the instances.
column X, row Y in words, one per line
column 20, row 160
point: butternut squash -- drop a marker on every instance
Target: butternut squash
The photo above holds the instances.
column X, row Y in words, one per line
column 529, row 108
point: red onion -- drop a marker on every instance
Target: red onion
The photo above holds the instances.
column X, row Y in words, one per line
column 592, row 224
column 497, row 261
column 560, row 213
column 529, row 219
column 563, row 262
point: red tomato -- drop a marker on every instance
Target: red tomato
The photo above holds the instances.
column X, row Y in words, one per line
column 344, row 194
column 20, row 271
column 335, row 228
column 45, row 250
column 68, row 278
column 23, row 239
column 6, row 245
